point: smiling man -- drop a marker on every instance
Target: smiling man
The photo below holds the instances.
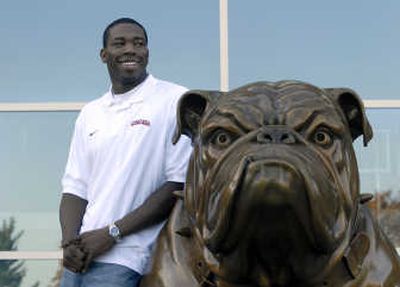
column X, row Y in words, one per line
column 122, row 168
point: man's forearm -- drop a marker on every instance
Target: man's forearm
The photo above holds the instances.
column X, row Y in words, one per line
column 154, row 210
column 72, row 209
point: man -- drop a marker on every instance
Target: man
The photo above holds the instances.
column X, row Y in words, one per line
column 122, row 168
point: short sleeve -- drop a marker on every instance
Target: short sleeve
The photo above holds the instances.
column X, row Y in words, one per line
column 76, row 172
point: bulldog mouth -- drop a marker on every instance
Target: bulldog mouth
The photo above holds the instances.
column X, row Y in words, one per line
column 258, row 192
column 220, row 208
column 256, row 188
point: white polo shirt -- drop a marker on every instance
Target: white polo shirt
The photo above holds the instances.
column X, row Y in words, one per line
column 120, row 153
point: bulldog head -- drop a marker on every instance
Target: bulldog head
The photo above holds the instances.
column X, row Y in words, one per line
column 273, row 186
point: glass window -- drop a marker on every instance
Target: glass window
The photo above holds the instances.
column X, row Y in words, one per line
column 30, row 272
column 379, row 165
column 34, row 149
column 331, row 44
column 51, row 53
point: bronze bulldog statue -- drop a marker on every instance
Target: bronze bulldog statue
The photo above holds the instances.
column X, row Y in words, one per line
column 272, row 194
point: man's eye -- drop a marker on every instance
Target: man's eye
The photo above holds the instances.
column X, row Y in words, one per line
column 323, row 138
column 222, row 139
column 118, row 44
column 139, row 43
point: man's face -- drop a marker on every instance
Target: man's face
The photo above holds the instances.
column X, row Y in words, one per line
column 126, row 55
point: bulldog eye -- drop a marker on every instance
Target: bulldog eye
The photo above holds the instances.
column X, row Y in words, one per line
column 323, row 137
column 222, row 139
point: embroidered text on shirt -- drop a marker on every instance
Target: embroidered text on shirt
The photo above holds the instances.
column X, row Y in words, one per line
column 140, row 122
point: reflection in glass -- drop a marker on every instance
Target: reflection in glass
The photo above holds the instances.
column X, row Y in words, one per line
column 380, row 170
column 317, row 42
column 30, row 273
column 33, row 152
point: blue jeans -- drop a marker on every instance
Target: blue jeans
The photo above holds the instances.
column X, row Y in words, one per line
column 101, row 275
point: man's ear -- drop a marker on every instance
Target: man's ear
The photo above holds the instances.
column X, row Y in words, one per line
column 354, row 111
column 103, row 55
column 191, row 108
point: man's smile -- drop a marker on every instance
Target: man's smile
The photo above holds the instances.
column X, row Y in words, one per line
column 129, row 62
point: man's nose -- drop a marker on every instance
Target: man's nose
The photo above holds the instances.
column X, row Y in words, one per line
column 130, row 47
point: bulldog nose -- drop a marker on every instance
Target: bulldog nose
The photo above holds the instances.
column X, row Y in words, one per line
column 276, row 135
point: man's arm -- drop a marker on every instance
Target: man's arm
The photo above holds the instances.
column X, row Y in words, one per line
column 154, row 210
column 72, row 209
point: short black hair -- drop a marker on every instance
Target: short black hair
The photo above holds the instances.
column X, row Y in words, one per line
column 121, row 21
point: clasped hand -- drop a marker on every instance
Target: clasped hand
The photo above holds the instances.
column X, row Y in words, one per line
column 78, row 253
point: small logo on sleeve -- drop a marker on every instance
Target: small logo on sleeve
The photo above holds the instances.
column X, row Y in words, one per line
column 140, row 122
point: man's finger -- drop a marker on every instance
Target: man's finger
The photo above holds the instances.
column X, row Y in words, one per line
column 74, row 258
column 87, row 262
column 84, row 235
column 76, row 252
column 70, row 267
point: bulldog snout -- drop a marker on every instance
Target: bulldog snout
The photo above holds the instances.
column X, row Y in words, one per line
column 276, row 136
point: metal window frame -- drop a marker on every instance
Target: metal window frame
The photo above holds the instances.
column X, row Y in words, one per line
column 42, row 107
column 77, row 106
column 223, row 39
column 31, row 255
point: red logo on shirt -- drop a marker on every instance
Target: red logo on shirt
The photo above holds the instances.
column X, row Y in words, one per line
column 140, row 122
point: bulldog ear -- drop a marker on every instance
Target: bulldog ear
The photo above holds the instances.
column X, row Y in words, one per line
column 191, row 108
column 354, row 111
